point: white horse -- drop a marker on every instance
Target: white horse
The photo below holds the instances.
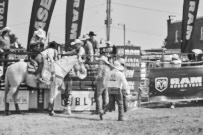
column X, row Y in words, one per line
column 17, row 73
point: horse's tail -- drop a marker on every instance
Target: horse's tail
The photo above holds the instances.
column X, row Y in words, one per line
column 6, row 80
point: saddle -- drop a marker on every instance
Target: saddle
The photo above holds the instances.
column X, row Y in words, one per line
column 47, row 72
column 32, row 67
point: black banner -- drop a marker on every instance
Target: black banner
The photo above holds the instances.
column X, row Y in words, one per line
column 74, row 15
column 176, row 83
column 3, row 13
column 190, row 8
column 40, row 17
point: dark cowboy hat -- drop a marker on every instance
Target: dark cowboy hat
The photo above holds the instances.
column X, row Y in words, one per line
column 53, row 44
column 91, row 33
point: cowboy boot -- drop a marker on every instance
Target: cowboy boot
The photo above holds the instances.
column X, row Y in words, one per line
column 18, row 110
column 7, row 112
column 120, row 118
column 51, row 109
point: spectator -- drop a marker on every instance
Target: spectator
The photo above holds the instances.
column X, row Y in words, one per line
column 77, row 49
column 94, row 42
column 5, row 42
column 88, row 49
column 176, row 61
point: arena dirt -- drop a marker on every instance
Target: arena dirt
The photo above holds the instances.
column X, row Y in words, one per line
column 183, row 120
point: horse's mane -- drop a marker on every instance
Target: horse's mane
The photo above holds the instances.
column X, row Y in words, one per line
column 67, row 62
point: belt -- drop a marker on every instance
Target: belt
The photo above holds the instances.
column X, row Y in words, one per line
column 114, row 90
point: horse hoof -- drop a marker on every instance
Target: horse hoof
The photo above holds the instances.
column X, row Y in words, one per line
column 101, row 116
column 67, row 112
column 52, row 113
column 172, row 106
column 22, row 113
column 7, row 113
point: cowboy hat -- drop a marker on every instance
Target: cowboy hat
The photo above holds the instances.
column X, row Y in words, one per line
column 197, row 51
column 5, row 29
column 175, row 56
column 105, row 59
column 108, row 42
column 91, row 33
column 122, row 61
column 84, row 37
column 77, row 41
column 118, row 66
column 40, row 33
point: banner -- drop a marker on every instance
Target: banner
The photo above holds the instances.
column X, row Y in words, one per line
column 176, row 83
column 190, row 8
column 74, row 15
column 40, row 17
column 3, row 13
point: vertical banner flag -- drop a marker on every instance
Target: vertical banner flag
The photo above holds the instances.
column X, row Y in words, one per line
column 40, row 17
column 190, row 8
column 3, row 13
column 74, row 15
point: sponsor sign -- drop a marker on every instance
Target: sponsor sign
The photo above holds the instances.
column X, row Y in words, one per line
column 80, row 101
column 74, row 16
column 190, row 8
column 176, row 83
column 3, row 13
column 1, row 71
column 23, row 101
column 161, row 83
column 40, row 17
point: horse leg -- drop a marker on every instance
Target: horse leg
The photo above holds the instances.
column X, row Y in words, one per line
column 53, row 93
column 15, row 102
column 8, row 96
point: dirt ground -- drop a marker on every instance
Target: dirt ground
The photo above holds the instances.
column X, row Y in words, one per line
column 183, row 120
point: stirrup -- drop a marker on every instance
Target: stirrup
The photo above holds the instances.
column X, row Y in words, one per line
column 43, row 81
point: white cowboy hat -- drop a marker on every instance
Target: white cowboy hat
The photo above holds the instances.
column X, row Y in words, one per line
column 77, row 41
column 175, row 56
column 108, row 42
column 197, row 51
column 84, row 37
column 5, row 29
column 40, row 33
column 105, row 59
column 118, row 66
column 122, row 61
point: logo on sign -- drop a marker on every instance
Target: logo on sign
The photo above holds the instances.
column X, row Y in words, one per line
column 121, row 52
column 161, row 83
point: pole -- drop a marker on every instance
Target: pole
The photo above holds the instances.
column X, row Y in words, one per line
column 124, row 33
column 108, row 20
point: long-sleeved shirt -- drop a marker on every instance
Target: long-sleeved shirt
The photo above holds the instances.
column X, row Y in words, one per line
column 116, row 79
column 50, row 54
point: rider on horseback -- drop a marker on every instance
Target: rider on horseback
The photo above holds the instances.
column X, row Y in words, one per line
column 37, row 46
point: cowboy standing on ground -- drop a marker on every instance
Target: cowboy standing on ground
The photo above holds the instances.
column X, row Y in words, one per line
column 114, row 81
column 101, row 93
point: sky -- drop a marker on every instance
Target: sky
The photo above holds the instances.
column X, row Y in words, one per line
column 145, row 20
